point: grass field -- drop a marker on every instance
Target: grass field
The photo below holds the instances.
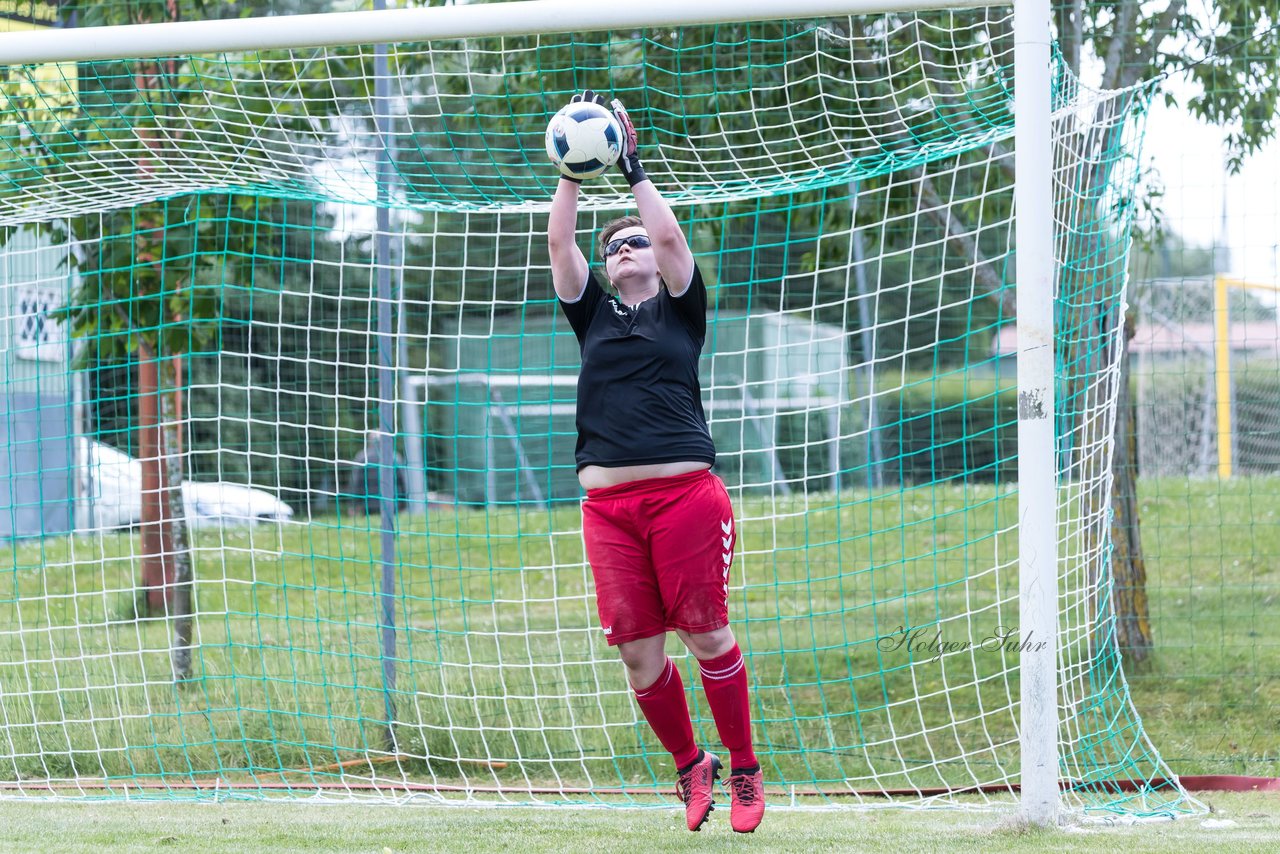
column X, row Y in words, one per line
column 1210, row 697
column 499, row 656
column 1246, row 823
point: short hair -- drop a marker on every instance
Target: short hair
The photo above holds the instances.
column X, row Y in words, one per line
column 613, row 227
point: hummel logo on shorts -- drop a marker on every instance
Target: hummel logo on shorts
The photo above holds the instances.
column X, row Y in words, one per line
column 726, row 542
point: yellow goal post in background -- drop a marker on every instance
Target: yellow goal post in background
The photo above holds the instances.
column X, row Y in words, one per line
column 1222, row 361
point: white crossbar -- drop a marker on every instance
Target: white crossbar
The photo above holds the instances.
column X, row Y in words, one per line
column 532, row 17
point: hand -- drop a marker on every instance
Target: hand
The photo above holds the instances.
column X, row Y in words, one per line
column 588, row 96
column 629, row 160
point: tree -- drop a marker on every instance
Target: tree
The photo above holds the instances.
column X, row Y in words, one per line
column 1219, row 49
column 142, row 296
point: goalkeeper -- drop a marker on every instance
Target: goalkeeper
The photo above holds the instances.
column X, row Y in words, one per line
column 658, row 525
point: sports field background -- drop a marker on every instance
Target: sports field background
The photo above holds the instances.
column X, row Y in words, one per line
column 274, row 599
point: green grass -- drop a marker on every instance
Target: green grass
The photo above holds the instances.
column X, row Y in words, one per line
column 500, row 657
column 280, row 828
column 1210, row 698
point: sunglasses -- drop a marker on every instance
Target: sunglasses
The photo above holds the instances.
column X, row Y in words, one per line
column 635, row 241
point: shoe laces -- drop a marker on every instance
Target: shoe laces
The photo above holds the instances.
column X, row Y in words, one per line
column 684, row 784
column 743, row 786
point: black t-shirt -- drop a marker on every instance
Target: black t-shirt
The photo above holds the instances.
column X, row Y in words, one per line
column 639, row 401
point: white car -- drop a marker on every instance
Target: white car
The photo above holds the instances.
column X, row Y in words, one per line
column 112, row 485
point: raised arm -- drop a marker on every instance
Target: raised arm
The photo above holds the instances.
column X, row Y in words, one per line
column 568, row 267
column 670, row 248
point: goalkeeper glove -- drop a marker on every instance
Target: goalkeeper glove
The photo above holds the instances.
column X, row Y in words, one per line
column 629, row 160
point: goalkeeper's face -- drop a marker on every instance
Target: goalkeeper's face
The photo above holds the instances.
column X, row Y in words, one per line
column 629, row 259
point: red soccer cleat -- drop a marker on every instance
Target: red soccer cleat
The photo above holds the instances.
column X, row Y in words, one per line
column 746, row 801
column 696, row 787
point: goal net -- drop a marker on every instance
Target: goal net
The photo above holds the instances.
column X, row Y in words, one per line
column 323, row 272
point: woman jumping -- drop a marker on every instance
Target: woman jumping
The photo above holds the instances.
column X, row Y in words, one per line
column 658, row 525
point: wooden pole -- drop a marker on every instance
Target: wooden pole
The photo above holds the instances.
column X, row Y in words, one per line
column 157, row 546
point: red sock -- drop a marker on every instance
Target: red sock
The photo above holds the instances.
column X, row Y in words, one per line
column 667, row 712
column 725, row 681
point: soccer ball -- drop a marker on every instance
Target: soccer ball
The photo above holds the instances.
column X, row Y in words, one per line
column 583, row 140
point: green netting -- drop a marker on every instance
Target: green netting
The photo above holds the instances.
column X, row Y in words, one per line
column 468, row 130
column 847, row 188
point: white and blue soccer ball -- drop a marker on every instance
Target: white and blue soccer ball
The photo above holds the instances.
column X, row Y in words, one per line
column 583, row 140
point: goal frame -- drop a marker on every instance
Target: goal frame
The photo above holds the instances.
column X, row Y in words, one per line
column 1034, row 271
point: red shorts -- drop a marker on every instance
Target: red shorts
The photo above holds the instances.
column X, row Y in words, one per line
column 660, row 551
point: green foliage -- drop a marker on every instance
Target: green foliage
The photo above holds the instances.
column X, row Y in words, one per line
column 1229, row 48
column 211, row 278
column 289, row 346
column 1236, row 53
column 152, row 278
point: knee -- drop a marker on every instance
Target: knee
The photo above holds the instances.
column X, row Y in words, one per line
column 644, row 662
column 713, row 644
column 638, row 659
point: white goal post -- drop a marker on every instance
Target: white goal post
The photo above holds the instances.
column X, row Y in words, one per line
column 528, row 17
column 1037, row 461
